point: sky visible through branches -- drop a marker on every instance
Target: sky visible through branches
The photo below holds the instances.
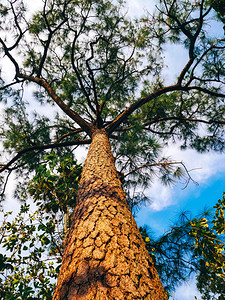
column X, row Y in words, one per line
column 168, row 202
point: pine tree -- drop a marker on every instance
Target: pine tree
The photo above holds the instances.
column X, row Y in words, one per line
column 104, row 73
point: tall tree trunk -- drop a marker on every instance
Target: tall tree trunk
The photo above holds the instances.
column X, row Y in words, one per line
column 104, row 255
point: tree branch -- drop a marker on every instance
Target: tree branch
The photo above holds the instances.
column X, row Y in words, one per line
column 68, row 134
column 154, row 121
column 129, row 110
column 204, row 90
column 10, row 84
column 5, row 184
column 46, row 47
column 21, row 33
column 41, row 147
column 164, row 164
column 7, row 53
column 72, row 114
column 75, row 68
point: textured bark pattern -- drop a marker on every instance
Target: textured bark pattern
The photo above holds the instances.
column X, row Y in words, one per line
column 104, row 255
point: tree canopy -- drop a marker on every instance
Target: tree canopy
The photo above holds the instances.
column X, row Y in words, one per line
column 103, row 69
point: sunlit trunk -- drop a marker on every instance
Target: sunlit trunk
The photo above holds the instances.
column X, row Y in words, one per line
column 104, row 255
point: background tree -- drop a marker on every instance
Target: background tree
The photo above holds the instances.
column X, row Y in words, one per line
column 104, row 73
column 192, row 246
column 210, row 245
column 29, row 264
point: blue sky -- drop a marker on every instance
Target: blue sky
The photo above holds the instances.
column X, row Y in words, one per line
column 193, row 198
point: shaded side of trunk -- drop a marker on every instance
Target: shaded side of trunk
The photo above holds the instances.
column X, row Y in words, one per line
column 104, row 255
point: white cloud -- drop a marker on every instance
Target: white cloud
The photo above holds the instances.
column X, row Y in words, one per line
column 81, row 153
column 33, row 6
column 175, row 58
column 202, row 167
column 137, row 8
column 187, row 291
column 161, row 196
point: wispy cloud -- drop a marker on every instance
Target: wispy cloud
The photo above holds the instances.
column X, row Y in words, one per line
column 138, row 8
column 161, row 196
column 187, row 291
column 202, row 167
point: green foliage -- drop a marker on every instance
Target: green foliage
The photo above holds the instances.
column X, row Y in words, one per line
column 55, row 185
column 138, row 159
column 192, row 246
column 172, row 253
column 28, row 266
column 98, row 61
column 32, row 242
column 219, row 7
column 99, row 39
column 209, row 245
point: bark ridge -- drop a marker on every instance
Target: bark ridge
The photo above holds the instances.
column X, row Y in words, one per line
column 105, row 256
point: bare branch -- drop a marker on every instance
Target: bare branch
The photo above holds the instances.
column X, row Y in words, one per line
column 7, row 53
column 165, row 164
column 5, row 183
column 46, row 47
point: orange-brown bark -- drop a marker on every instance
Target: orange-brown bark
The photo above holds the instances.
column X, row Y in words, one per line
column 104, row 255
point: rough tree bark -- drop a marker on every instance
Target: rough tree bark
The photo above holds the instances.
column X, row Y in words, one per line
column 104, row 255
